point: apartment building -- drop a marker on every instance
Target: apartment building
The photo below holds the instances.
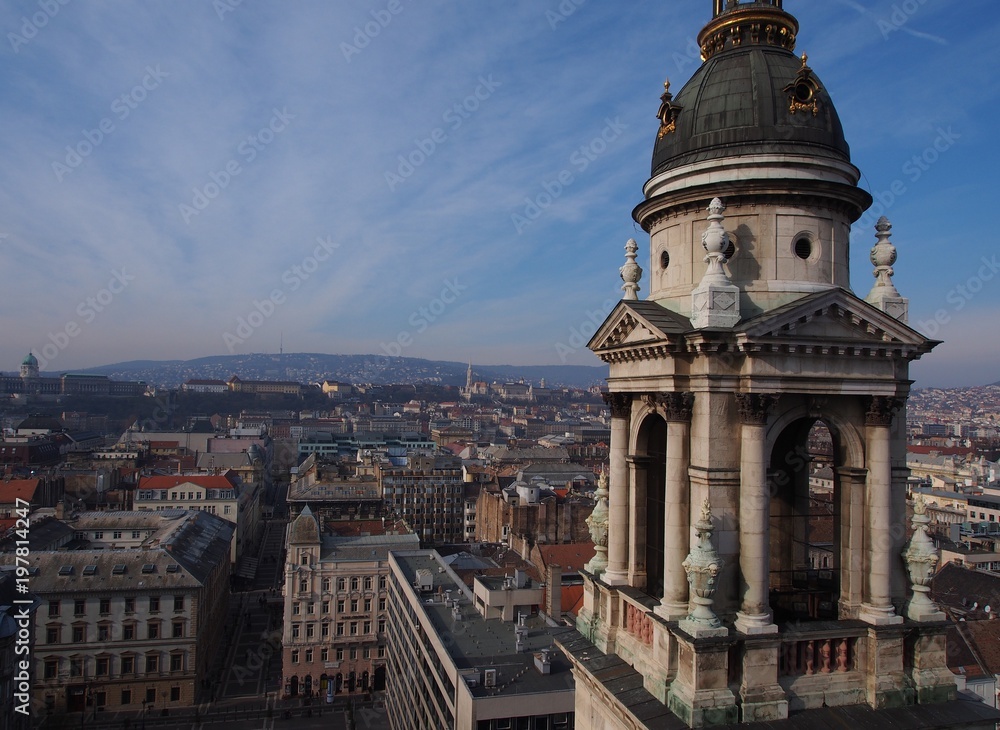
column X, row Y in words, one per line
column 336, row 593
column 132, row 627
column 428, row 493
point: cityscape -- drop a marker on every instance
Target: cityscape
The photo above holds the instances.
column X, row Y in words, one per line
column 738, row 467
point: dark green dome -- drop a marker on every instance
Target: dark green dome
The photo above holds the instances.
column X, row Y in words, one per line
column 739, row 103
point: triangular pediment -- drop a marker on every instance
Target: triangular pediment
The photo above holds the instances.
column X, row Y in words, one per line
column 834, row 316
column 639, row 324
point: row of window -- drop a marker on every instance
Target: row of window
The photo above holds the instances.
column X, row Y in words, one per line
column 115, row 535
column 104, row 605
column 324, row 654
column 190, row 496
column 356, row 605
column 104, row 666
column 105, row 632
column 327, row 583
column 343, row 628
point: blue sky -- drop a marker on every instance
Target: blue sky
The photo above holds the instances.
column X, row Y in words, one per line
column 188, row 177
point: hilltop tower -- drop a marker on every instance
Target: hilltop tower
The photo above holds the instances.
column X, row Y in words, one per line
column 709, row 611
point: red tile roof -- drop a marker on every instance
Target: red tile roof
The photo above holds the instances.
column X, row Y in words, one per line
column 571, row 557
column 572, row 599
column 16, row 489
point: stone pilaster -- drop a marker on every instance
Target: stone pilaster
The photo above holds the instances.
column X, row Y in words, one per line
column 932, row 679
column 761, row 696
column 676, row 409
column 755, row 615
column 886, row 681
column 878, row 608
column 618, row 487
column 700, row 694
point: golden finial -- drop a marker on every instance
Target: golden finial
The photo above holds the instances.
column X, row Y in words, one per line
column 805, row 59
column 666, row 85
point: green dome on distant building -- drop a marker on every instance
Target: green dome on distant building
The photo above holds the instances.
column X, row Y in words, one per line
column 30, row 361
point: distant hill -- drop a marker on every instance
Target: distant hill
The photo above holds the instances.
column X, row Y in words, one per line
column 316, row 367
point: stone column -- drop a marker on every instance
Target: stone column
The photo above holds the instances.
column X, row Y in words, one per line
column 755, row 616
column 676, row 409
column 618, row 499
column 877, row 608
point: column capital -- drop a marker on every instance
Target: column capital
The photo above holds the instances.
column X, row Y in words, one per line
column 755, row 407
column 676, row 407
column 881, row 410
column 619, row 403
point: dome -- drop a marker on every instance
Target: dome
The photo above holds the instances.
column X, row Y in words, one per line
column 30, row 361
column 751, row 96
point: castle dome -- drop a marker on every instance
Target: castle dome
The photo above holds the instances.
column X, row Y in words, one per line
column 752, row 95
column 30, row 361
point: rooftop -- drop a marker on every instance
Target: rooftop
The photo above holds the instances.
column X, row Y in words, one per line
column 478, row 644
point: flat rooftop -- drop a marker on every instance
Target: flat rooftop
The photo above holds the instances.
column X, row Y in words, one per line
column 475, row 644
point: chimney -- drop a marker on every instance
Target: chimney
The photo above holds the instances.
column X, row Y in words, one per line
column 553, row 592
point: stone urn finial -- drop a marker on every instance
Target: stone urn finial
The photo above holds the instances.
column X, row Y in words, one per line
column 702, row 566
column 598, row 524
column 715, row 302
column 921, row 559
column 631, row 272
column 884, row 294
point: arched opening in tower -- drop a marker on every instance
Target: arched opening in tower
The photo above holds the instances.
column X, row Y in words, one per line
column 650, row 477
column 805, row 557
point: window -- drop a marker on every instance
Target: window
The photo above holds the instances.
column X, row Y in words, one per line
column 341, row 584
column 53, row 635
column 150, row 695
column 367, row 652
column 99, row 535
column 176, row 662
column 326, row 585
column 355, row 583
column 354, row 628
column 175, row 694
column 340, row 606
column 309, row 655
column 126, row 697
column 304, row 559
column 178, row 603
column 381, row 626
column 295, row 630
column 353, row 653
column 53, row 609
column 368, row 604
column 79, row 634
column 135, row 534
column 295, row 608
column 104, row 633
column 324, row 630
column 153, row 630
column 326, row 607
column 303, row 585
column 128, row 664
column 354, row 605
column 381, row 582
column 154, row 603
column 310, row 607
column 79, row 607
column 129, row 605
column 295, row 656
column 116, row 535
column 51, row 668
column 76, row 667
column 152, row 663
column 128, row 632
column 105, row 606
column 340, row 628
column 381, row 652
column 324, row 654
column 103, row 666
column 381, row 604
column 225, row 509
column 367, row 628
column 178, row 630
column 340, row 655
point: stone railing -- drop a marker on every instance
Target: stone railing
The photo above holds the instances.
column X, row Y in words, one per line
column 818, row 649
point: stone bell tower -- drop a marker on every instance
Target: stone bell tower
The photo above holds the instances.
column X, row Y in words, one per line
column 709, row 610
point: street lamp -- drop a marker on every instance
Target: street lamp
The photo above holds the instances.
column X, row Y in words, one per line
column 144, row 713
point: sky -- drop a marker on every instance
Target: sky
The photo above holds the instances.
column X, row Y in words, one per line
column 185, row 178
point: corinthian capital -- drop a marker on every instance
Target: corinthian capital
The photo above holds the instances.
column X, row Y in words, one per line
column 676, row 407
column 755, row 407
column 619, row 403
column 882, row 410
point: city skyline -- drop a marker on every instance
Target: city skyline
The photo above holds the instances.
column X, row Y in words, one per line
column 431, row 180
